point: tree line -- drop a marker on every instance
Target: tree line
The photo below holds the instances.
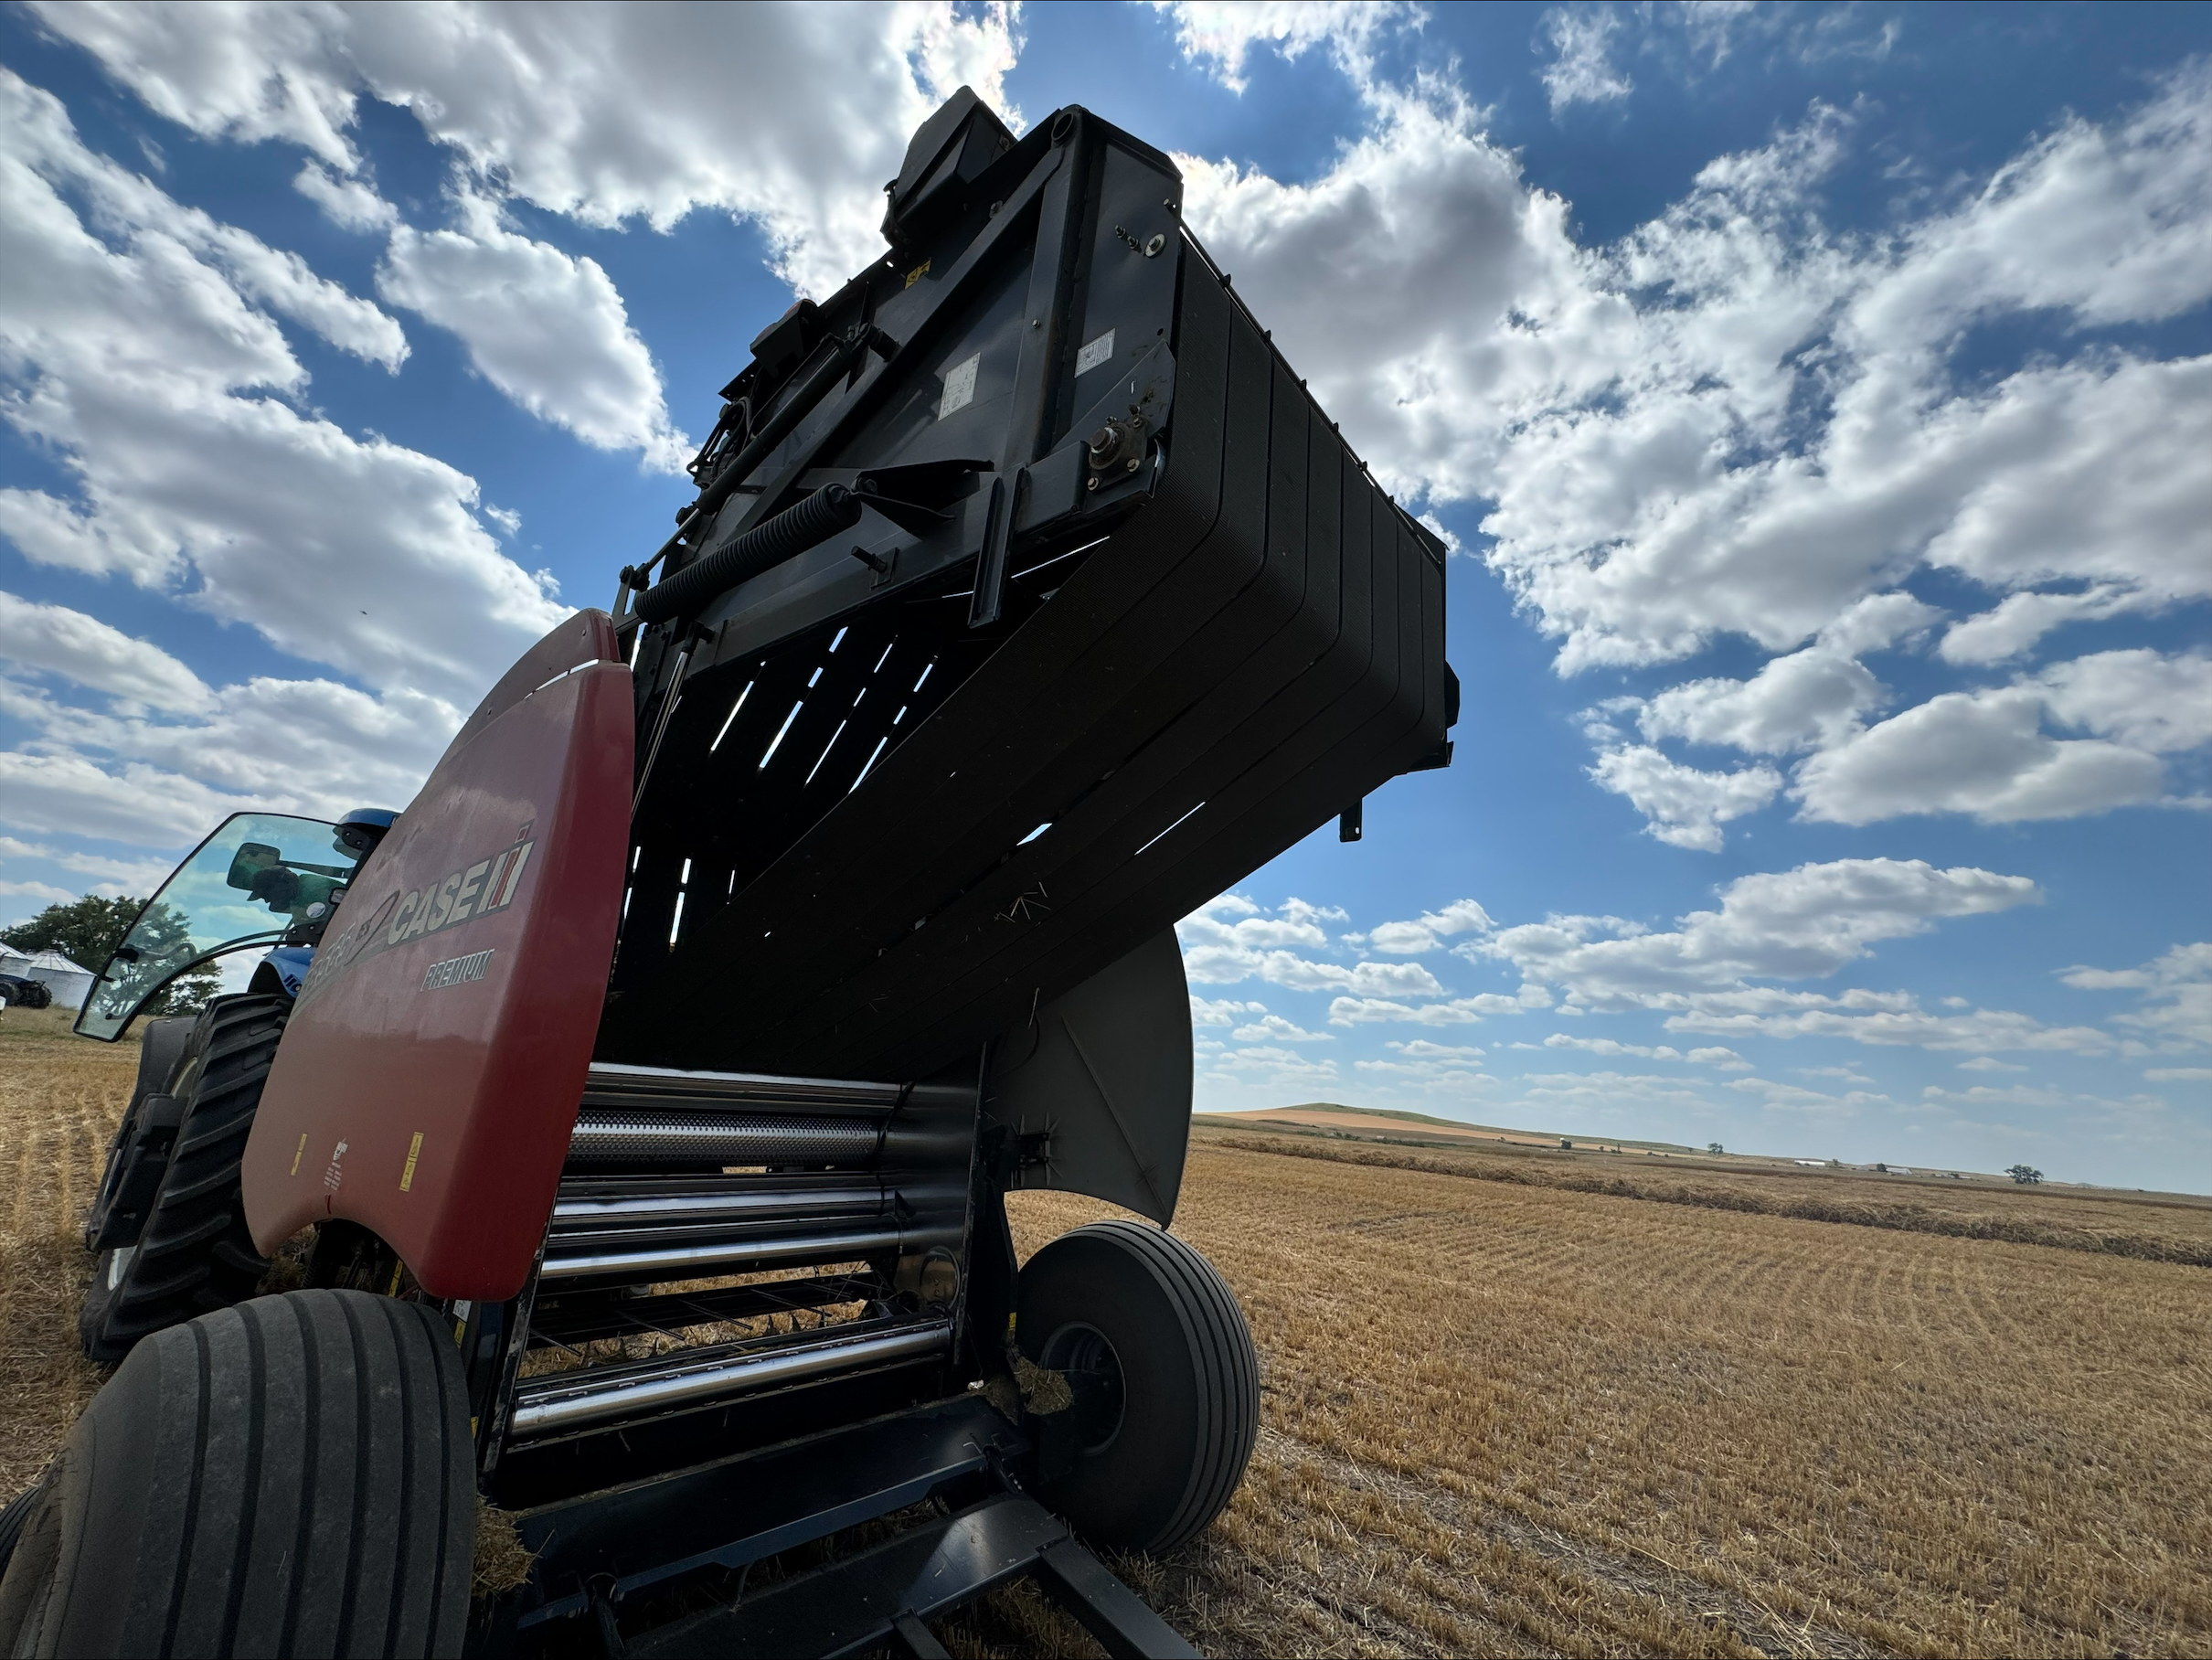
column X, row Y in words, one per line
column 87, row 930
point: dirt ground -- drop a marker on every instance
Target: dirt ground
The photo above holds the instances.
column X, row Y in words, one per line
column 1506, row 1413
column 1507, row 1417
column 2155, row 1227
column 59, row 1099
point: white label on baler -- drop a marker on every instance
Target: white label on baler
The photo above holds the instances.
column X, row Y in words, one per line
column 960, row 385
column 1098, row 351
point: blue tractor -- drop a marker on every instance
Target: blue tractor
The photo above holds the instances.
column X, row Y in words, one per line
column 165, row 1227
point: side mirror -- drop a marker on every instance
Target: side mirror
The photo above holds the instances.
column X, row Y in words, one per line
column 249, row 862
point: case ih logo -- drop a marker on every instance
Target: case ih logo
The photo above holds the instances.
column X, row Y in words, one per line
column 476, row 890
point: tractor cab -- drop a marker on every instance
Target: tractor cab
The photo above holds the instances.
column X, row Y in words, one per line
column 260, row 879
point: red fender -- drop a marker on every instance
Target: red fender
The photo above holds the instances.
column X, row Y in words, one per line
column 429, row 1078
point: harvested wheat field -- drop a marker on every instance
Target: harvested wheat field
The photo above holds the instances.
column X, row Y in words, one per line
column 1506, row 1415
column 60, row 1098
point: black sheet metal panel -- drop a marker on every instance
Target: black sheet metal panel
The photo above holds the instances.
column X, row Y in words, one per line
column 884, row 1593
column 854, row 1605
column 1104, row 1073
column 740, row 1510
column 894, row 836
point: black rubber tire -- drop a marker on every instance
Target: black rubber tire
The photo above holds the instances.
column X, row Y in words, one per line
column 195, row 1253
column 293, row 1476
column 1190, row 1381
column 12, row 1519
column 161, row 1050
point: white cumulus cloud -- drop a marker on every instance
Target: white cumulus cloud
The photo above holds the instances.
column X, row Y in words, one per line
column 1979, row 753
column 1274, row 1028
column 1802, row 923
column 789, row 115
column 1685, row 806
column 1431, row 929
column 1230, row 939
column 313, row 747
column 1611, row 1046
column 2176, row 1006
column 54, row 639
column 545, row 327
column 1222, row 33
column 1581, row 69
column 1737, row 421
column 139, row 356
column 1727, row 1060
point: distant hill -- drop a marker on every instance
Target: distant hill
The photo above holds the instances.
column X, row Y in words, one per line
column 1334, row 1114
column 1416, row 1118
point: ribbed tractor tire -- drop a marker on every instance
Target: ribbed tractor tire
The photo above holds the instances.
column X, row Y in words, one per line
column 11, row 1522
column 1188, row 1403
column 292, row 1476
column 195, row 1253
column 162, row 1047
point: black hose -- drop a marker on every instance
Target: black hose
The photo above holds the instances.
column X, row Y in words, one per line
column 792, row 532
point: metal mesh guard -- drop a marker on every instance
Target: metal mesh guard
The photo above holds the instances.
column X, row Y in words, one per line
column 605, row 1137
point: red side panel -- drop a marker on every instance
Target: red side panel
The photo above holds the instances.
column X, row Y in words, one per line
column 429, row 1079
column 586, row 637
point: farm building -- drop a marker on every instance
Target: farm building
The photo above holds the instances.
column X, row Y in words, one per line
column 70, row 984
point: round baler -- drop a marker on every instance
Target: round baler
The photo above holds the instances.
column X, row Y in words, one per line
column 633, row 1115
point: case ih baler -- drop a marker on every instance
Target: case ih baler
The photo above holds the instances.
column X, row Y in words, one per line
column 650, row 1089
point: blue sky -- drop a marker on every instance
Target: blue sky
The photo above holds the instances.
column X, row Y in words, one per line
column 1819, row 401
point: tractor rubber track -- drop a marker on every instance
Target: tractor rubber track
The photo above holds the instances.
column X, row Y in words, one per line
column 195, row 1253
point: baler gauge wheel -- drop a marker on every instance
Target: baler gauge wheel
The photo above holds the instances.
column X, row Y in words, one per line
column 1166, row 1381
column 1085, row 1357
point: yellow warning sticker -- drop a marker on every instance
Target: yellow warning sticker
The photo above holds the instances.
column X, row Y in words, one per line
column 919, row 272
column 296, row 1152
column 414, row 1151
